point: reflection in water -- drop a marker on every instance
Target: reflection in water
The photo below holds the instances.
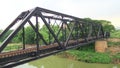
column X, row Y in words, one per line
column 56, row 62
column 42, row 66
column 71, row 66
column 115, row 67
column 25, row 66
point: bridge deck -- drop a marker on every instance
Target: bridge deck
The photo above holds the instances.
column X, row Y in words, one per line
column 34, row 49
column 14, row 56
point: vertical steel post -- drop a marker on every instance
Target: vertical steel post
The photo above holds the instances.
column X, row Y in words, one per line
column 76, row 31
column 82, row 28
column 65, row 31
column 37, row 37
column 94, row 30
column 48, row 31
column 23, row 35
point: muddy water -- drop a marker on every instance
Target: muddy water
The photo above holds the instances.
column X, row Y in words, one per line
column 57, row 62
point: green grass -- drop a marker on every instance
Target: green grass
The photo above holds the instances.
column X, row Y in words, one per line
column 91, row 57
column 13, row 46
column 88, row 54
column 115, row 34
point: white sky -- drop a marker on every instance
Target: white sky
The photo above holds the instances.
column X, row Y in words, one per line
column 95, row 9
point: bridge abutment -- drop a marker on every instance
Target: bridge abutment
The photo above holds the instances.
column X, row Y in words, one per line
column 101, row 46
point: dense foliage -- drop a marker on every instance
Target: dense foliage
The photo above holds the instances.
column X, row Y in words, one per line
column 115, row 34
column 30, row 33
column 107, row 26
column 5, row 35
column 29, row 36
column 91, row 57
column 87, row 54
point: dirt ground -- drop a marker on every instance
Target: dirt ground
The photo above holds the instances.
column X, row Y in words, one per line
column 114, row 49
column 113, row 39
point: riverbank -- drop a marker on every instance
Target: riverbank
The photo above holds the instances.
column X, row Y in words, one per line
column 88, row 54
column 57, row 62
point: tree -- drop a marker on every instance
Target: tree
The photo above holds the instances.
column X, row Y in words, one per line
column 17, row 38
column 29, row 35
column 5, row 35
column 107, row 26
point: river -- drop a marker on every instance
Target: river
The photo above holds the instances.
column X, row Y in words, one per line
column 57, row 62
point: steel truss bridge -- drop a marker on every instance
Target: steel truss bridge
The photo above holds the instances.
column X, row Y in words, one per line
column 72, row 32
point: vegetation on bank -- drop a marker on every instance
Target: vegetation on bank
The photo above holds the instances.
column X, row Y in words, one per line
column 91, row 57
column 87, row 54
column 115, row 34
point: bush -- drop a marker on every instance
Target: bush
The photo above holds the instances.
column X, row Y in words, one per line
column 88, row 47
column 100, row 58
column 29, row 35
column 91, row 57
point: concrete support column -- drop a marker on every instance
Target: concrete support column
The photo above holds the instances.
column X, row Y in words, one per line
column 101, row 46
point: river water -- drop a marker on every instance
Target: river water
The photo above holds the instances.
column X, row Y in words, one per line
column 57, row 62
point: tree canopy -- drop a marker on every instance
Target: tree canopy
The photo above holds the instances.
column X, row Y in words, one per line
column 107, row 25
column 30, row 33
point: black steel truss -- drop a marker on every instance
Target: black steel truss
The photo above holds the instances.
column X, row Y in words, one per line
column 71, row 28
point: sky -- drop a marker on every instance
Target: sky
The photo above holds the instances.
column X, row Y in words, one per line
column 95, row 9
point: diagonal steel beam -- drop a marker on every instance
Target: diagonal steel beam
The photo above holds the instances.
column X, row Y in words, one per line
column 82, row 30
column 5, row 42
column 94, row 29
column 1, row 34
column 21, row 15
column 99, row 30
column 60, row 27
column 90, row 29
column 59, row 31
column 66, row 43
column 69, row 29
column 38, row 32
column 51, row 31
